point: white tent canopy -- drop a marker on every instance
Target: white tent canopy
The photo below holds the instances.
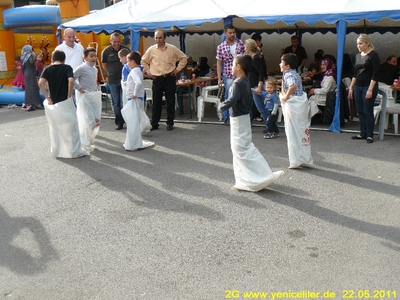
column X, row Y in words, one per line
column 205, row 16
column 139, row 17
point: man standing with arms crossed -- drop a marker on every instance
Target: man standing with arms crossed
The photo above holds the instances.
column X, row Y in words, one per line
column 113, row 67
column 226, row 53
column 159, row 63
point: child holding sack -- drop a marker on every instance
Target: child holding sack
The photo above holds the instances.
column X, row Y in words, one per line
column 133, row 111
column 252, row 172
column 88, row 99
column 60, row 108
column 295, row 112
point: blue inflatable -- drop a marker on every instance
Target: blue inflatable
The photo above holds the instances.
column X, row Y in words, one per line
column 13, row 95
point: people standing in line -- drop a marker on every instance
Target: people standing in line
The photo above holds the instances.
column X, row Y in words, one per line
column 299, row 51
column 73, row 51
column 159, row 62
column 88, row 99
column 271, row 103
column 134, row 108
column 113, row 68
column 252, row 172
column 226, row 53
column 32, row 95
column 295, row 111
column 364, row 86
column 256, row 78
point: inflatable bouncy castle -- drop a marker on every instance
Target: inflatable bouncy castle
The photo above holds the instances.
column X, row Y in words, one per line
column 36, row 25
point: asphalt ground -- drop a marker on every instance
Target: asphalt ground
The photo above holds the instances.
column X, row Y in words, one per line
column 165, row 223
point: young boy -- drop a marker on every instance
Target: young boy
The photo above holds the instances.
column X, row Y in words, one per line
column 133, row 111
column 295, row 112
column 252, row 172
column 271, row 103
column 122, row 54
column 88, row 99
column 125, row 72
column 60, row 109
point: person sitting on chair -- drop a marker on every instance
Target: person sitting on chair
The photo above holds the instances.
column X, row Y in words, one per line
column 388, row 71
column 318, row 95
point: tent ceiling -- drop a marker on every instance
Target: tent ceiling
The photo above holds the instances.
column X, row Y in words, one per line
column 248, row 16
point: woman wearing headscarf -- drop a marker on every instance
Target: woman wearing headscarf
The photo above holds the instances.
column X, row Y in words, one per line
column 328, row 84
column 364, row 86
column 32, row 96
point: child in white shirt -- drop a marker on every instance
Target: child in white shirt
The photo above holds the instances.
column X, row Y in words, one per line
column 134, row 109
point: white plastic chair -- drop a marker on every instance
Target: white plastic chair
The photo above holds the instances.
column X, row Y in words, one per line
column 207, row 97
column 391, row 107
column 148, row 87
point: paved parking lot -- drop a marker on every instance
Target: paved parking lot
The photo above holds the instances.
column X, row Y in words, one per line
column 165, row 223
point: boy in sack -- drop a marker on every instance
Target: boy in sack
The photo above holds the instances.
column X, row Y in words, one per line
column 88, row 99
column 133, row 111
column 252, row 172
column 295, row 112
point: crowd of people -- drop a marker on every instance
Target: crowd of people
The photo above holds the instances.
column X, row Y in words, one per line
column 240, row 69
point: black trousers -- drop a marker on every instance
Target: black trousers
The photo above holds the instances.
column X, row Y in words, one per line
column 163, row 85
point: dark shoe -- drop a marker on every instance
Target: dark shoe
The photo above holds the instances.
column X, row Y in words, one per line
column 358, row 137
column 154, row 127
column 370, row 140
column 226, row 122
column 119, row 127
column 170, row 127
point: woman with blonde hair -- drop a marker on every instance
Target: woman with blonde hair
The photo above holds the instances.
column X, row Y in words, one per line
column 364, row 86
column 256, row 78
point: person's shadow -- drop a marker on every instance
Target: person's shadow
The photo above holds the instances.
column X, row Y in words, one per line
column 16, row 258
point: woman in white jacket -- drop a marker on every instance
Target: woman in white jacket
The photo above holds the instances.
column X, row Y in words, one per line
column 328, row 84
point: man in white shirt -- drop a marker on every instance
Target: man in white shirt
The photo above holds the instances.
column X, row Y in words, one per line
column 73, row 51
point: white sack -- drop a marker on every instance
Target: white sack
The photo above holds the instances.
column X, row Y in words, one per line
column 297, row 129
column 89, row 114
column 64, row 131
column 124, row 93
column 252, row 172
column 131, row 112
column 312, row 107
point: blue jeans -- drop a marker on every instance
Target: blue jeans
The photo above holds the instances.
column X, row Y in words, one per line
column 180, row 91
column 116, row 92
column 259, row 103
column 272, row 127
column 227, row 84
column 365, row 109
